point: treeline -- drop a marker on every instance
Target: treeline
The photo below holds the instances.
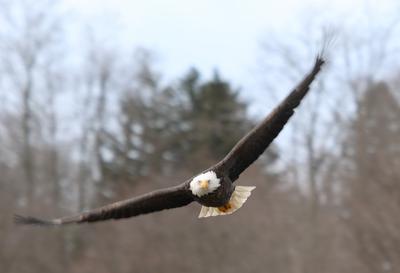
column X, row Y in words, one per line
column 80, row 129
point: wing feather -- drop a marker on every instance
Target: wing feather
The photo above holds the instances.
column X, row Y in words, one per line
column 251, row 146
column 169, row 198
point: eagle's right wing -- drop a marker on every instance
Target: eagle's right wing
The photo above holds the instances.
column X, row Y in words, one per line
column 169, row 198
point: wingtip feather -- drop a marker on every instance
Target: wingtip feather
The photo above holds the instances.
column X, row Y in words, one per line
column 319, row 61
column 27, row 220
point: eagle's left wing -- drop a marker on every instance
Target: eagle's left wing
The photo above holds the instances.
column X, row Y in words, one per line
column 168, row 198
column 251, row 146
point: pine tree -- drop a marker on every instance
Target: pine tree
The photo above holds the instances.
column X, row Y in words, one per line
column 215, row 116
column 373, row 185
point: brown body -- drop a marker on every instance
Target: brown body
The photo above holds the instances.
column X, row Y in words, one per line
column 220, row 197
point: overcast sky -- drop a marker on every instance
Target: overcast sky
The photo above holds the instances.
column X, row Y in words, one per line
column 209, row 34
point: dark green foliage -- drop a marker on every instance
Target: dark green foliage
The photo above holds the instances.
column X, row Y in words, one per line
column 162, row 129
column 215, row 115
column 375, row 130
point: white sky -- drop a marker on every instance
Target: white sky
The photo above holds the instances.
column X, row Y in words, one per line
column 209, row 34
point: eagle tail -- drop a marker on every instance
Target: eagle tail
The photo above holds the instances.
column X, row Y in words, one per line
column 238, row 198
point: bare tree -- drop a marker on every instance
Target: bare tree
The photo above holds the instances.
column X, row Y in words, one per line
column 31, row 34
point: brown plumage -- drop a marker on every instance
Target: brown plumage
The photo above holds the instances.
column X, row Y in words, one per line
column 250, row 147
column 243, row 154
column 153, row 201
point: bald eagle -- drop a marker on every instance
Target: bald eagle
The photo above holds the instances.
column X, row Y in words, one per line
column 213, row 188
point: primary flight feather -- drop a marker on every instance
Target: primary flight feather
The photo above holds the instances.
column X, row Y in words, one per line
column 213, row 188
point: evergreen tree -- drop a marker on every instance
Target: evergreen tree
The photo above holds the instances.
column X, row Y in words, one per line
column 215, row 116
column 373, row 179
column 166, row 128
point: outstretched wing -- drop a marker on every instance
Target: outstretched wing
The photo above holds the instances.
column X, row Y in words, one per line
column 169, row 198
column 250, row 147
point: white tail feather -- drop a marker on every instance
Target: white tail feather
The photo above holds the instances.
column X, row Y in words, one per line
column 238, row 198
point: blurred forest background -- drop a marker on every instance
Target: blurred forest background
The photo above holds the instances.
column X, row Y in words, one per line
column 81, row 129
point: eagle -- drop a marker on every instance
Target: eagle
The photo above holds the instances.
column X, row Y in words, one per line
column 214, row 188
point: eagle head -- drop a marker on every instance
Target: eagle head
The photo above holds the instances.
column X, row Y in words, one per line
column 204, row 183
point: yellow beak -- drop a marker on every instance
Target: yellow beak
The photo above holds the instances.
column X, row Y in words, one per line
column 204, row 184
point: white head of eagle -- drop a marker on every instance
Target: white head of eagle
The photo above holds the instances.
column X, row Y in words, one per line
column 204, row 183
